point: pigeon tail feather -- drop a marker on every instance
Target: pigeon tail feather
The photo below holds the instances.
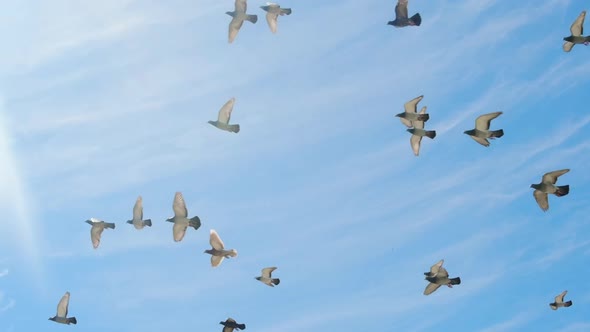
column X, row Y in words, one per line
column 430, row 134
column 416, row 19
column 241, row 326
column 568, row 303
column 498, row 133
column 562, row 190
column 148, row 222
column 252, row 18
column 286, row 11
column 455, row 281
column 276, row 281
column 234, row 128
column 74, row 321
column 195, row 222
column 109, row 225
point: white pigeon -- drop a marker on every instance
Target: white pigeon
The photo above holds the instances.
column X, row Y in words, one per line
column 238, row 17
column 98, row 226
column 273, row 10
column 559, row 302
column 137, row 220
column 217, row 251
column 180, row 219
column 266, row 277
column 62, row 311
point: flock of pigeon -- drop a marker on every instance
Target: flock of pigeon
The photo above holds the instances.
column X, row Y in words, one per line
column 438, row 275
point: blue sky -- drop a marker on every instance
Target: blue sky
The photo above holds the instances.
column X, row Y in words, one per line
column 108, row 100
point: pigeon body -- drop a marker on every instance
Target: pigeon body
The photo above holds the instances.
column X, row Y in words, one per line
column 401, row 16
column 434, row 269
column 577, row 34
column 437, row 277
column 62, row 311
column 238, row 17
column 230, row 324
column 266, row 277
column 547, row 186
column 559, row 302
column 418, row 132
column 98, row 226
column 137, row 220
column 273, row 10
column 217, row 251
column 224, row 116
column 409, row 115
column 482, row 129
column 180, row 219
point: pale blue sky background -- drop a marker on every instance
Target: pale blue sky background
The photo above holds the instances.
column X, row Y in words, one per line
column 107, row 100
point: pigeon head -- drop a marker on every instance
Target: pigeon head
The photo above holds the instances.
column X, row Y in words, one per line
column 258, row 278
column 89, row 221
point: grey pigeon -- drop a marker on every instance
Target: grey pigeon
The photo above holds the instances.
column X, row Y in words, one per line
column 98, row 227
column 217, row 251
column 401, row 16
column 180, row 219
column 273, row 10
column 434, row 269
column 482, row 129
column 238, row 17
column 547, row 186
column 230, row 324
column 409, row 115
column 62, row 311
column 266, row 277
column 224, row 116
column 137, row 220
column 577, row 34
column 418, row 132
column 559, row 302
column 437, row 277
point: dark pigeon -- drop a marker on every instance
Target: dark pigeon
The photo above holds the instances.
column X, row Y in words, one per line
column 401, row 16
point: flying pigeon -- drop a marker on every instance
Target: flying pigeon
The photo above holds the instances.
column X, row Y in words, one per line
column 482, row 129
column 559, row 302
column 98, row 227
column 273, row 10
column 547, row 186
column 137, row 220
column 267, row 278
column 217, row 251
column 401, row 16
column 224, row 116
column 238, row 17
column 577, row 34
column 434, row 269
column 439, row 277
column 62, row 311
column 410, row 115
column 180, row 219
column 418, row 132
column 230, row 324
